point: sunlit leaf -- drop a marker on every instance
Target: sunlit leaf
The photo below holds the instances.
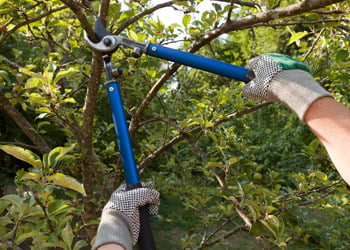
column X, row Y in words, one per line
column 23, row 154
column 65, row 73
column 67, row 235
column 23, row 237
column 186, row 20
column 297, row 36
column 67, row 182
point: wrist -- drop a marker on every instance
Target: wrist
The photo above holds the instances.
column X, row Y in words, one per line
column 113, row 228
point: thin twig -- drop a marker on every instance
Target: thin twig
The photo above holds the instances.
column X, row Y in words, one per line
column 144, row 13
column 16, row 27
column 302, row 194
column 314, row 44
column 196, row 129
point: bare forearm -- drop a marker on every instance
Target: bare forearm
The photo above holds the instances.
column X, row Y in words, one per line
column 330, row 121
column 111, row 246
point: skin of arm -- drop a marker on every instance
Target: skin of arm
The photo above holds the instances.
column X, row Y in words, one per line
column 111, row 246
column 330, row 122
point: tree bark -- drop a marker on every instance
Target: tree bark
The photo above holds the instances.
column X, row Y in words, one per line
column 23, row 123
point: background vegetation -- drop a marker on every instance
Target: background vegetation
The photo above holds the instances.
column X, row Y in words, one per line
column 232, row 172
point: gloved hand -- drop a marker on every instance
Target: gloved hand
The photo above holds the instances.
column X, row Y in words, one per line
column 120, row 222
column 282, row 78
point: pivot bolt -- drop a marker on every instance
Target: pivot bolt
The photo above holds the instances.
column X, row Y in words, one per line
column 137, row 53
column 117, row 72
column 107, row 42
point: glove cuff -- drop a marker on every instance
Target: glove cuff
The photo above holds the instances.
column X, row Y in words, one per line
column 297, row 89
column 113, row 228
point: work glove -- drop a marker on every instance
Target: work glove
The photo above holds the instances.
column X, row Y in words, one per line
column 120, row 220
column 282, row 78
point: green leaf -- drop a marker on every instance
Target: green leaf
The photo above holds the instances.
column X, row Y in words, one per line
column 186, row 20
column 215, row 164
column 23, row 237
column 23, row 154
column 296, row 37
column 3, row 206
column 132, row 35
column 67, row 235
column 5, row 11
column 13, row 199
column 33, row 83
column 65, row 73
column 4, row 220
column 67, row 182
column 55, row 205
column 30, row 176
column 80, row 244
column 69, row 100
column 58, row 153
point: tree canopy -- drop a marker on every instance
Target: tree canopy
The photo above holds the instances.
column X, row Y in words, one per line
column 230, row 171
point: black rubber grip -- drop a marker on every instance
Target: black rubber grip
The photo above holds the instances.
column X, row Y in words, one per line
column 146, row 241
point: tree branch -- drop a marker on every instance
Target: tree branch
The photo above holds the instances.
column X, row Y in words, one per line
column 217, row 240
column 241, row 3
column 264, row 17
column 238, row 24
column 23, row 123
column 78, row 11
column 194, row 130
column 144, row 13
column 16, row 27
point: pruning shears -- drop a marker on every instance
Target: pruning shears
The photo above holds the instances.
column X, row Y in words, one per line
column 108, row 44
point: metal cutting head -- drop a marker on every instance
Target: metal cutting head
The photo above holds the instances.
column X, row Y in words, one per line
column 109, row 43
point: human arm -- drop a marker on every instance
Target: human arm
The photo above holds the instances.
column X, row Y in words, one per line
column 330, row 122
column 291, row 84
column 120, row 222
column 111, row 246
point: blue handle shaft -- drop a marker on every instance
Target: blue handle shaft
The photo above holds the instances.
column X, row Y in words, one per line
column 199, row 62
column 123, row 137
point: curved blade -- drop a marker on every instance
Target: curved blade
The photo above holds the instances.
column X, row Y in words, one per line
column 100, row 30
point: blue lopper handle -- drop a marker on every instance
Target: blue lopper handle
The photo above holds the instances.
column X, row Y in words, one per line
column 200, row 62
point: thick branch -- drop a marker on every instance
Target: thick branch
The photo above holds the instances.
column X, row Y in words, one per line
column 78, row 11
column 264, row 17
column 103, row 12
column 88, row 160
column 22, row 122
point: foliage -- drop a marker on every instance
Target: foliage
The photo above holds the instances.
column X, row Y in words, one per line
column 224, row 165
column 44, row 211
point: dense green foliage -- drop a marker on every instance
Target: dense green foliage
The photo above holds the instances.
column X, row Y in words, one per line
column 228, row 169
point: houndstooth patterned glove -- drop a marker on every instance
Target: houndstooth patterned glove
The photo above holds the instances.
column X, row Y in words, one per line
column 282, row 78
column 128, row 203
